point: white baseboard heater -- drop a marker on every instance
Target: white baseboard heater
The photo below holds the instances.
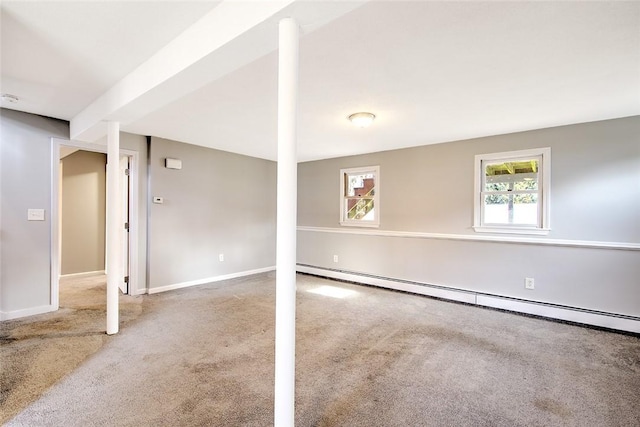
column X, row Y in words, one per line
column 548, row 310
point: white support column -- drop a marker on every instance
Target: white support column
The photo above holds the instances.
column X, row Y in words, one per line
column 114, row 226
column 286, row 225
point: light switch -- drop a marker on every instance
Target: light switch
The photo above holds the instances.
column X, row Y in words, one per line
column 35, row 214
column 158, row 200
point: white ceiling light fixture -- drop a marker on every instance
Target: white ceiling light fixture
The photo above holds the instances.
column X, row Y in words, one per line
column 362, row 120
column 7, row 97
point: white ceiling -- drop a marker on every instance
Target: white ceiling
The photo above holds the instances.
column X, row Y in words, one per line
column 59, row 56
column 431, row 71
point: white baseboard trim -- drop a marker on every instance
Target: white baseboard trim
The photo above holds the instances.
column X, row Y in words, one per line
column 570, row 314
column 586, row 317
column 16, row 314
column 209, row 280
column 84, row 274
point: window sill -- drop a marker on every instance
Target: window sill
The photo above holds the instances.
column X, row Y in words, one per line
column 512, row 230
column 359, row 224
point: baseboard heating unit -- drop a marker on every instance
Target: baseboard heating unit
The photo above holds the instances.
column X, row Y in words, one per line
column 553, row 311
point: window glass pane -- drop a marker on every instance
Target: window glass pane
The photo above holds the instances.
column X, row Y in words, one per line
column 496, row 186
column 360, row 209
column 359, row 198
column 511, row 209
column 512, row 175
column 360, row 185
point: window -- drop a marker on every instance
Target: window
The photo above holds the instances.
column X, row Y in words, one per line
column 512, row 192
column 359, row 196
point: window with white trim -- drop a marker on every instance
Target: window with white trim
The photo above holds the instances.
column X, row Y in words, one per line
column 359, row 196
column 512, row 192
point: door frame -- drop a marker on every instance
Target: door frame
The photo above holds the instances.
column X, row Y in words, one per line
column 55, row 214
column 125, row 174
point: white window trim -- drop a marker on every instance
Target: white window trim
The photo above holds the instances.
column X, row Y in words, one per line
column 376, row 197
column 545, row 176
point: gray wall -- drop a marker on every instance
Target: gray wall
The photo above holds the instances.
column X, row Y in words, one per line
column 595, row 196
column 25, row 182
column 218, row 203
column 83, row 204
column 225, row 203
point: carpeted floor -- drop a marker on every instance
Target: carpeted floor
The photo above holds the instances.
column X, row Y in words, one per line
column 204, row 356
column 37, row 351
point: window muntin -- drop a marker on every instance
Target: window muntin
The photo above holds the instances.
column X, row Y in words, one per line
column 359, row 196
column 512, row 192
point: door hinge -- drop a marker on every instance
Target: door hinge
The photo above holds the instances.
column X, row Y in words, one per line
column 126, row 172
column 126, row 226
column 126, row 279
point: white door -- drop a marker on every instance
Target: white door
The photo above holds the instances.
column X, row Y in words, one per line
column 124, row 185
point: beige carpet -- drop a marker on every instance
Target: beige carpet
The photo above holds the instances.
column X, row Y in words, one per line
column 37, row 351
column 204, row 356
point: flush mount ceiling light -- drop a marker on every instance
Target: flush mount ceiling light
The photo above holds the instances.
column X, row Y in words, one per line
column 7, row 97
column 362, row 120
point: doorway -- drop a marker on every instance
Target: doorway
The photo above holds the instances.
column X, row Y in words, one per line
column 82, row 201
column 97, row 247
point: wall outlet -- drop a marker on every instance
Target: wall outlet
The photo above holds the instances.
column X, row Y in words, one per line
column 528, row 283
column 221, row 257
column 335, row 258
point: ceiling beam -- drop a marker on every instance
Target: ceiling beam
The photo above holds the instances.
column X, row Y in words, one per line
column 233, row 34
column 224, row 23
